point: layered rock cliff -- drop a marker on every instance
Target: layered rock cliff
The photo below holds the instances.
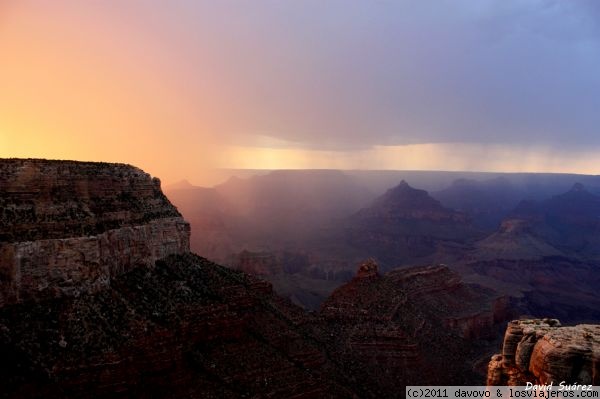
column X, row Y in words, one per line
column 68, row 228
column 541, row 351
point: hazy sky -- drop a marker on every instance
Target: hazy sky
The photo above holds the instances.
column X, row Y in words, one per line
column 178, row 87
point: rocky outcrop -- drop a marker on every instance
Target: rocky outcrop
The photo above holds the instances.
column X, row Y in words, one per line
column 367, row 269
column 99, row 296
column 68, row 228
column 408, row 322
column 542, row 351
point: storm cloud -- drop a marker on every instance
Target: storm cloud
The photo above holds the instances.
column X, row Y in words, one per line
column 353, row 74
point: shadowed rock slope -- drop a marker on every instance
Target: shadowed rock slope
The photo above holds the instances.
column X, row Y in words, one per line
column 564, row 225
column 418, row 324
column 185, row 328
column 545, row 253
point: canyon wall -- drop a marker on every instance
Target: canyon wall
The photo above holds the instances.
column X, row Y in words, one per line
column 541, row 351
column 67, row 228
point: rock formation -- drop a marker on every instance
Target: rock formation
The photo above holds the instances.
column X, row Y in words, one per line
column 406, row 225
column 515, row 239
column 402, row 326
column 68, row 228
column 545, row 254
column 541, row 351
column 562, row 287
column 367, row 269
column 406, row 202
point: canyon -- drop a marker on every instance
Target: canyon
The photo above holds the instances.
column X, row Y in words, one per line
column 528, row 237
column 101, row 296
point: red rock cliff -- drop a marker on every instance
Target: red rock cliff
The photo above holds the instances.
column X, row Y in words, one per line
column 68, row 228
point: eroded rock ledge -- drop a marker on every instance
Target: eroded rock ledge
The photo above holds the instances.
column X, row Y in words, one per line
column 67, row 228
column 542, row 351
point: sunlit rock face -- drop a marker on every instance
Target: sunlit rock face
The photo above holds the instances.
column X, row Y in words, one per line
column 68, row 228
column 541, row 351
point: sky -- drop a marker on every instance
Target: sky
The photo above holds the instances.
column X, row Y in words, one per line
column 181, row 87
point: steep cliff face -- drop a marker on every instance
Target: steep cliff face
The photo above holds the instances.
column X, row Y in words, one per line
column 541, row 351
column 68, row 228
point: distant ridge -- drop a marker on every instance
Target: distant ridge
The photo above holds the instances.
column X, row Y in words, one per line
column 406, row 224
column 180, row 185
